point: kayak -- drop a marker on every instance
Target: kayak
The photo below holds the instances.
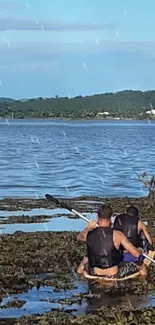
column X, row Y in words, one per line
column 147, row 262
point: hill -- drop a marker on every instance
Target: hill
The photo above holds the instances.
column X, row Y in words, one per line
column 124, row 104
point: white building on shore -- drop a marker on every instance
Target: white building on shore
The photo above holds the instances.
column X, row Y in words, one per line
column 102, row 113
column 151, row 112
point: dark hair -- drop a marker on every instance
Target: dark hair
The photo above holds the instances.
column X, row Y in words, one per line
column 133, row 211
column 105, row 212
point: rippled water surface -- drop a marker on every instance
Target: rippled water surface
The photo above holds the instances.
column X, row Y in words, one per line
column 74, row 158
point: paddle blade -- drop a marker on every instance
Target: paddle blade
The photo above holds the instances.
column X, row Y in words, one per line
column 51, row 198
column 58, row 202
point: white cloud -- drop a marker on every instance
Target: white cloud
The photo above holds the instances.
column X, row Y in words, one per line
column 11, row 23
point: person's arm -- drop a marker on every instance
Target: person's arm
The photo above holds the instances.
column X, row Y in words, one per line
column 142, row 227
column 128, row 246
column 82, row 236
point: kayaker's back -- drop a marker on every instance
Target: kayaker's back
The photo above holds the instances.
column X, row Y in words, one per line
column 101, row 250
column 128, row 224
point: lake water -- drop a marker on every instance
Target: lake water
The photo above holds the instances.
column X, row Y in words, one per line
column 69, row 159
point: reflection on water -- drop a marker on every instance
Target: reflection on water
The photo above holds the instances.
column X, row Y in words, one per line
column 74, row 158
column 54, row 224
column 33, row 212
column 50, row 224
column 38, row 301
column 61, row 223
column 44, row 299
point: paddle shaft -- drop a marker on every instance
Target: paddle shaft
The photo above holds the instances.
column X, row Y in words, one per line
column 149, row 258
column 80, row 215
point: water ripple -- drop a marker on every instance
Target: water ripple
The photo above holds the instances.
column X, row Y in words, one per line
column 74, row 158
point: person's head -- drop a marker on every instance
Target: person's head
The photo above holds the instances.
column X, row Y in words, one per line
column 104, row 214
column 132, row 211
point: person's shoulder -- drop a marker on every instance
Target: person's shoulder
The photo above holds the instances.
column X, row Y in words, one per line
column 117, row 233
column 121, row 215
column 92, row 232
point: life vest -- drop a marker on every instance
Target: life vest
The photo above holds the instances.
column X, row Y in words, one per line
column 101, row 250
column 128, row 225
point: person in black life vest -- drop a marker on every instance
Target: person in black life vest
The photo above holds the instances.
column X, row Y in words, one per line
column 103, row 248
column 136, row 232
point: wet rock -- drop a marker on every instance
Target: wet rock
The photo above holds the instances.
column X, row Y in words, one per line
column 24, row 254
column 105, row 315
column 33, row 219
column 13, row 304
column 82, row 204
column 6, row 321
column 70, row 301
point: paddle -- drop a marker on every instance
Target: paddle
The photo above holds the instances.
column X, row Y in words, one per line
column 149, row 258
column 67, row 207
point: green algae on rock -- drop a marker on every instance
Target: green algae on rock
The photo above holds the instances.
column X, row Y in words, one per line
column 13, row 304
column 24, row 254
column 106, row 315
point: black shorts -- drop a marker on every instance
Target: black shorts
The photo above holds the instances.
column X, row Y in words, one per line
column 125, row 269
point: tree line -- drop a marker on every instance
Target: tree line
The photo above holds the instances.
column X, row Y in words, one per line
column 123, row 104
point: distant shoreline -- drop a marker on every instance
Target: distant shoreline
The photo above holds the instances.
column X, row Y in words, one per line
column 77, row 119
column 123, row 105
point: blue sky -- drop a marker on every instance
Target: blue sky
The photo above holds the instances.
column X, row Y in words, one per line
column 73, row 47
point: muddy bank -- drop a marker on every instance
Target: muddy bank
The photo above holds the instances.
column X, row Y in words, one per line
column 105, row 315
